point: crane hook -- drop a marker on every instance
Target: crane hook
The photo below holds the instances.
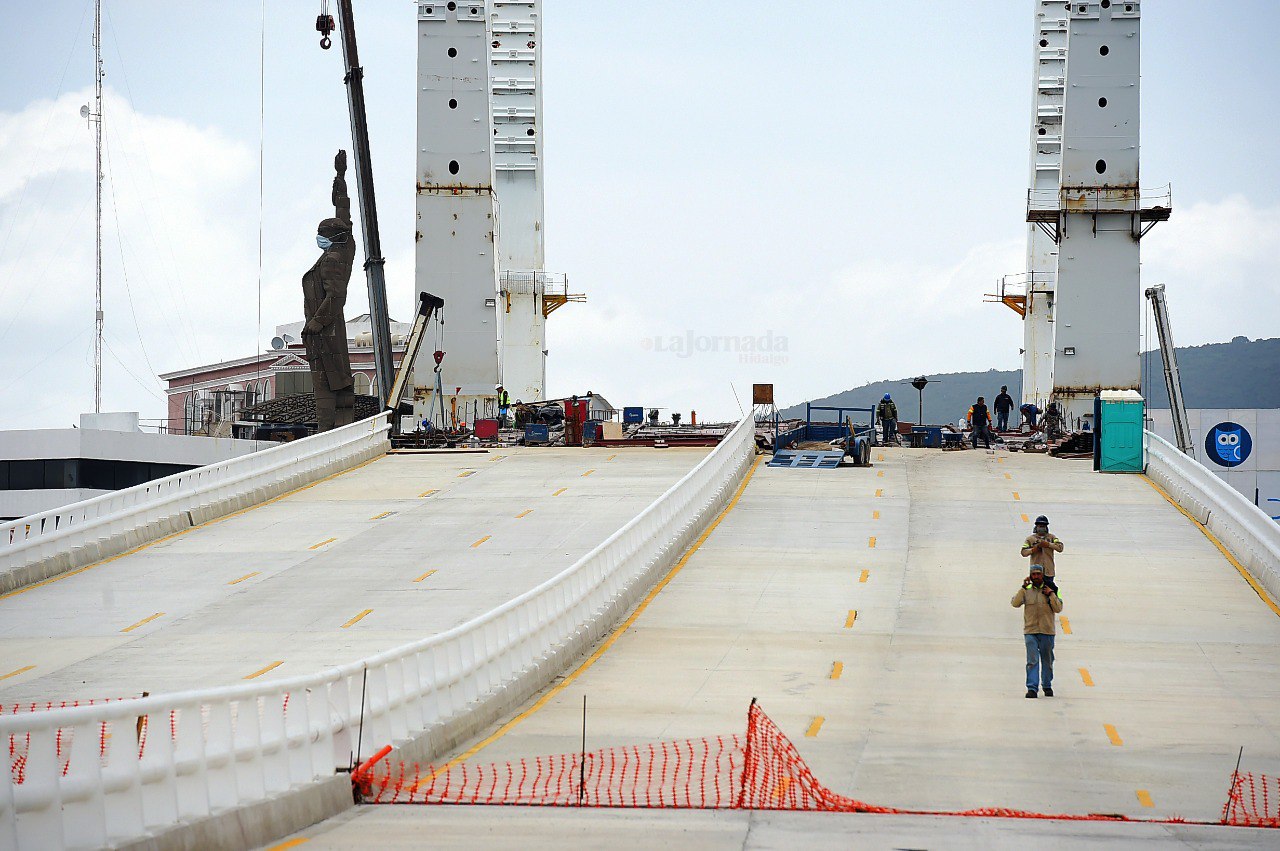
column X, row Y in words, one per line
column 324, row 26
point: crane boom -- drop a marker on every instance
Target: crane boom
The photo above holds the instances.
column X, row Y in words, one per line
column 1178, row 409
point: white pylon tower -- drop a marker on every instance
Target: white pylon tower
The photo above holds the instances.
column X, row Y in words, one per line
column 1050, row 64
column 1097, row 214
column 456, row 256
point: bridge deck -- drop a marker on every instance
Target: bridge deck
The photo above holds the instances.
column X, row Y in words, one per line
column 1169, row 667
column 278, row 583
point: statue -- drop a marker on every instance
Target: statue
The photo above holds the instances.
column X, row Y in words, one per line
column 324, row 295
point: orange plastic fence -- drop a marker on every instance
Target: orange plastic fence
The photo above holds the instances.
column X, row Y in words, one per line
column 1253, row 802
column 760, row 770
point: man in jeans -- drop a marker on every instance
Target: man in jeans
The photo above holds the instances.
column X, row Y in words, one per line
column 979, row 419
column 887, row 411
column 1003, row 405
column 1039, row 604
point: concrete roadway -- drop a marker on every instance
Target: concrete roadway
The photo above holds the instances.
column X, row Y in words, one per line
column 401, row 548
column 1167, row 664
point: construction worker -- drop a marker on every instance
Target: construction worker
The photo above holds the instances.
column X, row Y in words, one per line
column 504, row 404
column 1029, row 413
column 1003, row 405
column 979, row 419
column 887, row 411
column 1039, row 604
column 1040, row 547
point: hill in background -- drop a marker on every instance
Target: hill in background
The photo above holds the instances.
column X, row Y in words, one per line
column 1239, row 374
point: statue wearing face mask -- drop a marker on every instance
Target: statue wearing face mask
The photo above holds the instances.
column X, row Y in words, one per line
column 324, row 295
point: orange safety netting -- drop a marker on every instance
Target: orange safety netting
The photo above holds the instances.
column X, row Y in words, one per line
column 760, row 770
column 1253, row 801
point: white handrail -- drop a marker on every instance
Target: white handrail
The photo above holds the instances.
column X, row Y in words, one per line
column 237, row 745
column 41, row 545
column 1244, row 529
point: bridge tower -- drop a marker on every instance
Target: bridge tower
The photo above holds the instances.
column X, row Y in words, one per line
column 1050, row 64
column 516, row 72
column 1097, row 215
column 456, row 255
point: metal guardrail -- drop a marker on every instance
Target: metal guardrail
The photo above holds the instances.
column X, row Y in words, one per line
column 235, row 746
column 41, row 545
column 1244, row 529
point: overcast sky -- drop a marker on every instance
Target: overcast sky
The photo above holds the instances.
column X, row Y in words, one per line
column 839, row 182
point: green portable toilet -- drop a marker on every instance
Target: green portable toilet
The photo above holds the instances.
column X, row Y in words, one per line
column 1121, row 439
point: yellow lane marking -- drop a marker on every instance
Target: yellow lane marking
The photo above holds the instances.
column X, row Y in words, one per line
column 292, row 843
column 880, row 474
column 1085, row 678
column 875, row 515
column 481, row 541
column 1001, row 460
column 1213, row 539
column 1113, row 735
column 139, row 549
column 589, row 472
column 265, row 670
column 524, row 513
column 814, row 727
column 466, row 473
column 863, row 577
column 880, row 492
column 612, row 639
column 1026, row 519
column 1144, row 798
column 611, row 457
column 1007, row 476
column 852, row 616
column 871, row 542
column 1016, row 496
column 428, row 493
column 557, row 493
column 1066, row 624
column 17, row 672
column 357, row 618
column 880, row 457
column 143, row 622
column 380, row 516
column 322, row 543
column 837, row 668
column 424, row 576
column 243, row 578
column 496, row 458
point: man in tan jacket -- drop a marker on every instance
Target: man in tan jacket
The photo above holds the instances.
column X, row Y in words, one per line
column 1040, row 547
column 1039, row 604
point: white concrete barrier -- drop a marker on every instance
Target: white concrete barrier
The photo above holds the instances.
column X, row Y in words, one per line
column 42, row 545
column 1244, row 529
column 78, row 778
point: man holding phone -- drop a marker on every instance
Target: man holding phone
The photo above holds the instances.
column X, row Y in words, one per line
column 1039, row 602
column 1040, row 547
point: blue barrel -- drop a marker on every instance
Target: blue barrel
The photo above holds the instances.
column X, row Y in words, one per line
column 591, row 431
column 633, row 415
column 536, row 433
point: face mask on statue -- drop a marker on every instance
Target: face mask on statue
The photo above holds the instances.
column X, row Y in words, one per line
column 324, row 242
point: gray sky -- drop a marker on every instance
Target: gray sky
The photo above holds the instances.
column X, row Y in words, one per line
column 840, row 183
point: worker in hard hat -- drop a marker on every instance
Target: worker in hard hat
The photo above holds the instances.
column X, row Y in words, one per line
column 1003, row 405
column 887, row 411
column 504, row 403
column 979, row 419
column 1040, row 547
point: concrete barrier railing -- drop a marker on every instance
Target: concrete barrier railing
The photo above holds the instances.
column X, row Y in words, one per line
column 219, row 749
column 1244, row 529
column 42, row 545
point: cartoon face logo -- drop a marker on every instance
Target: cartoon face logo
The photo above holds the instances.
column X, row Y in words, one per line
column 1228, row 444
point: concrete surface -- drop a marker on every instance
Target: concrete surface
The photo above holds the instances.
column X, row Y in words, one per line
column 1169, row 667
column 402, row 548
column 393, row 827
